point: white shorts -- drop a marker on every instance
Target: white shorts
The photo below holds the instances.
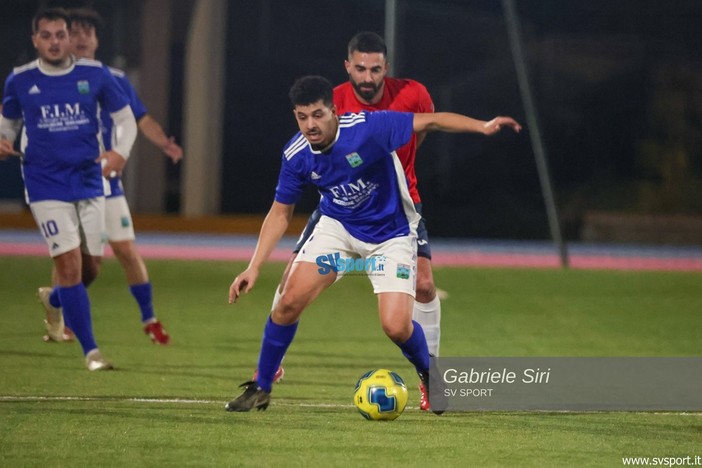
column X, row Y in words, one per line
column 118, row 219
column 69, row 225
column 391, row 266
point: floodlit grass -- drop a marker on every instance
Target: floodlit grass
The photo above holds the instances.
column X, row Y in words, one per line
column 163, row 406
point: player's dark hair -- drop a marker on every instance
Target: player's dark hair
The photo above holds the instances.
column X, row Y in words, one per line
column 50, row 14
column 368, row 42
column 87, row 17
column 310, row 89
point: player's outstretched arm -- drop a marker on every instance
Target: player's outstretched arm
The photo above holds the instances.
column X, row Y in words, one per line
column 274, row 226
column 153, row 131
column 498, row 123
column 456, row 123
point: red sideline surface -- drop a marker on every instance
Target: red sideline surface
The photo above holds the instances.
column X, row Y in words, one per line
column 478, row 258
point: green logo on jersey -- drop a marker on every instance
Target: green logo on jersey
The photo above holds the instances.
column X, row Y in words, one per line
column 354, row 159
column 83, row 87
column 403, row 271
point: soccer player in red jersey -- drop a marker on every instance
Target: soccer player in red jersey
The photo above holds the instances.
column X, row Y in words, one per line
column 370, row 89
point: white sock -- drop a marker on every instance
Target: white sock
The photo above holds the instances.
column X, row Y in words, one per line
column 429, row 317
column 276, row 298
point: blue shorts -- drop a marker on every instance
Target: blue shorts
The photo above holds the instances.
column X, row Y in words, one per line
column 423, row 247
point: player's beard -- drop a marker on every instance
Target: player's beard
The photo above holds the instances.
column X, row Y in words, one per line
column 61, row 62
column 57, row 63
column 367, row 91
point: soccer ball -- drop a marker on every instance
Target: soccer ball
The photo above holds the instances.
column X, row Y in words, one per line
column 380, row 395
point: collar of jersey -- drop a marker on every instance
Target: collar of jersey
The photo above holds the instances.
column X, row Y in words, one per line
column 54, row 71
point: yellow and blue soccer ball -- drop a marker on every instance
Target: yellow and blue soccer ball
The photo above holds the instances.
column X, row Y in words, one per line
column 380, row 395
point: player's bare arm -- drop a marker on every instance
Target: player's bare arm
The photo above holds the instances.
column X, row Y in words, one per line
column 7, row 150
column 496, row 124
column 457, row 123
column 8, row 133
column 154, row 132
column 274, row 226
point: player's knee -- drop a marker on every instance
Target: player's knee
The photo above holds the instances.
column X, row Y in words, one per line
column 288, row 309
column 69, row 277
column 425, row 290
column 397, row 332
column 91, row 269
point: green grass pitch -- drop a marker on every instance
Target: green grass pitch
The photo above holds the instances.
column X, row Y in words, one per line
column 164, row 406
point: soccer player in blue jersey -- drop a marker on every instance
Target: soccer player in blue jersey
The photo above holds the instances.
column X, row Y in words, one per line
column 58, row 99
column 370, row 89
column 85, row 26
column 367, row 213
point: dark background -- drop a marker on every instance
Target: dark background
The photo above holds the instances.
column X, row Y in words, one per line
column 618, row 86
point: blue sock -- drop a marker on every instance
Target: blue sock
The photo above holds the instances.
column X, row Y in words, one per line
column 415, row 349
column 76, row 313
column 142, row 294
column 276, row 339
column 54, row 298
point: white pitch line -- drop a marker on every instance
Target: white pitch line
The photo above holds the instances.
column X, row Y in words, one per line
column 87, row 398
column 185, row 401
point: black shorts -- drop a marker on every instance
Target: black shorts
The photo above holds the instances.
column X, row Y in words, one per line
column 423, row 247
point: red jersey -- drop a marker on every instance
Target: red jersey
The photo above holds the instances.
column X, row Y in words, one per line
column 398, row 95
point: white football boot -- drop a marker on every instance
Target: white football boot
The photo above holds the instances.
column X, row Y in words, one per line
column 95, row 362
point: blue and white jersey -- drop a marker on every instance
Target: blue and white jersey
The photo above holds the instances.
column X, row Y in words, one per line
column 62, row 125
column 139, row 111
column 360, row 178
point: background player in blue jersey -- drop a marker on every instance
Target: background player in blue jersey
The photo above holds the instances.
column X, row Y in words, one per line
column 367, row 213
column 85, row 26
column 58, row 99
